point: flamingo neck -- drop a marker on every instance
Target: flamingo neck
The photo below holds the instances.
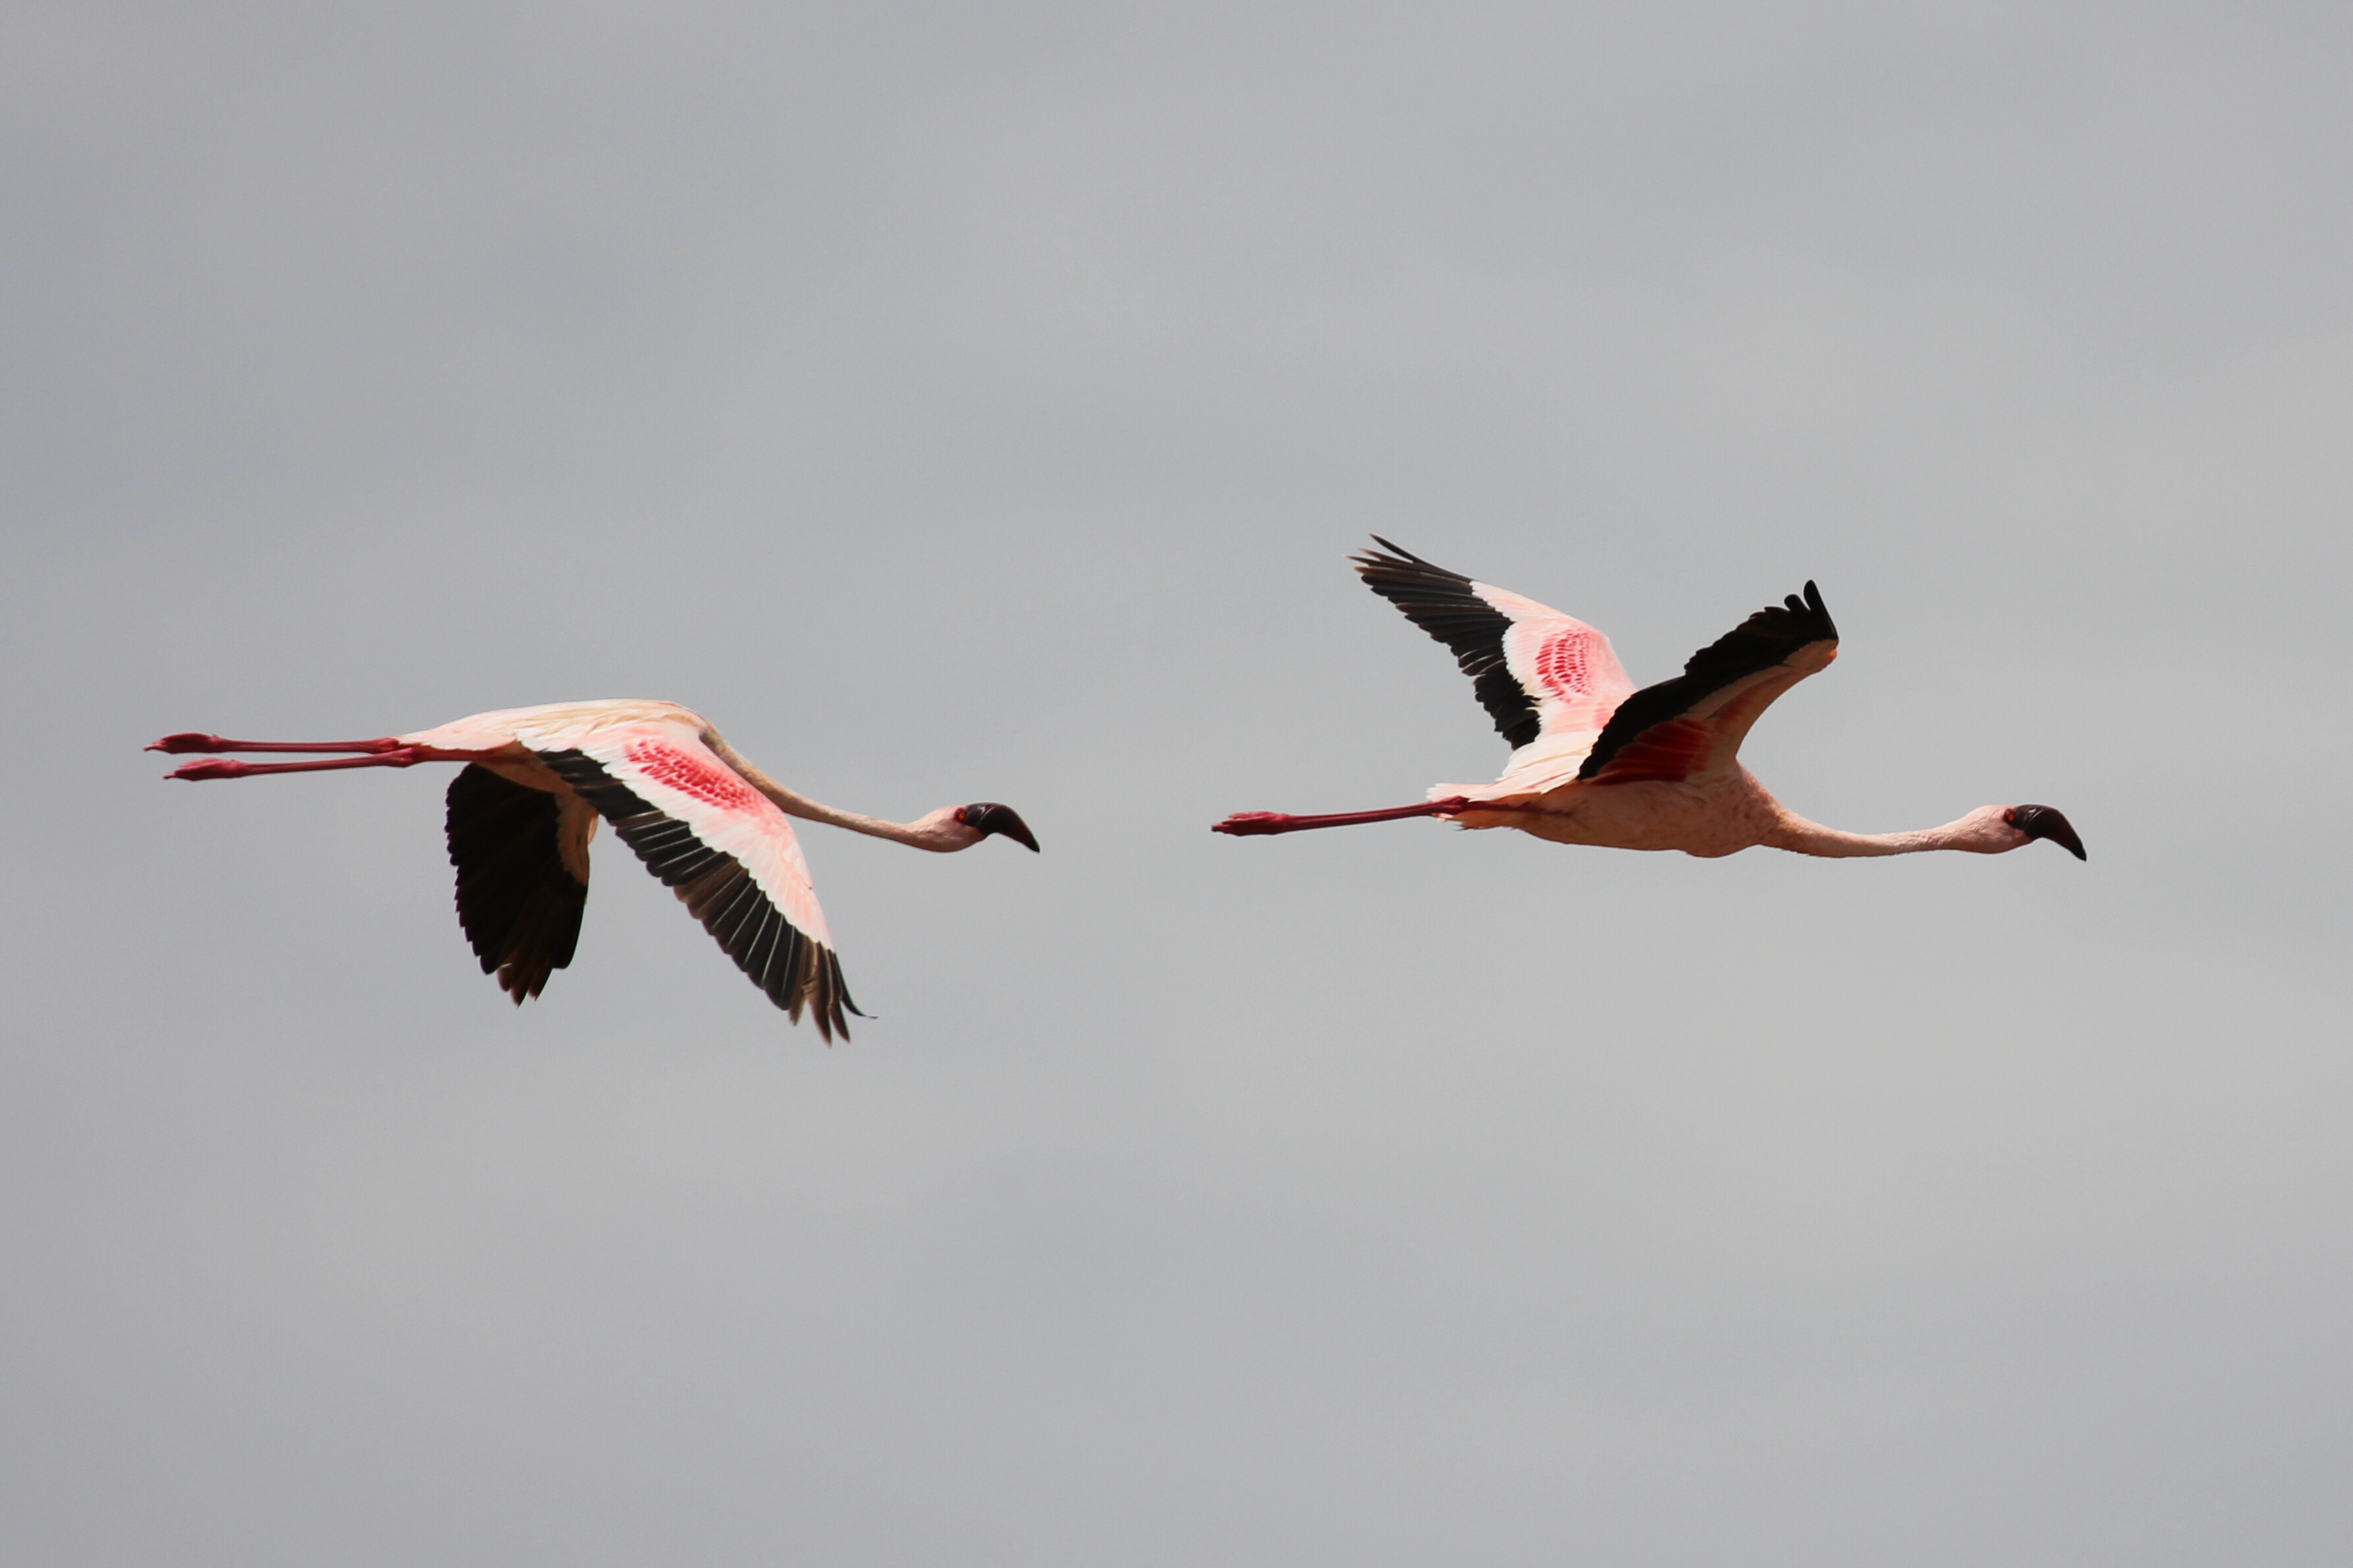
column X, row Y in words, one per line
column 1800, row 836
column 931, row 832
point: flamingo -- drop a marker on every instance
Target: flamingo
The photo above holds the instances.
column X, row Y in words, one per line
column 1596, row 762
column 708, row 824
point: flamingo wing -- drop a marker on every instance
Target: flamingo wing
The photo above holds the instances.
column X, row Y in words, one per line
column 522, row 876
column 1541, row 675
column 723, row 846
column 1694, row 723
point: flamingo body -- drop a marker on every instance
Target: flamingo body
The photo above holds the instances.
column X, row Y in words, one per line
column 1596, row 762
column 714, row 828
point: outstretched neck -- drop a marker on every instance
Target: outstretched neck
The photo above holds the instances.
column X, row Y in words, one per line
column 933, row 832
column 1803, row 838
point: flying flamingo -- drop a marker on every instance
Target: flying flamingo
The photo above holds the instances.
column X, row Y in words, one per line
column 1596, row 762
column 708, row 824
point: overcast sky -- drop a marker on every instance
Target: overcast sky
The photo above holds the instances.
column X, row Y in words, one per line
column 978, row 402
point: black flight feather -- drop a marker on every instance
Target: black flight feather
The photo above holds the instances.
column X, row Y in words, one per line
column 1765, row 639
column 1440, row 603
column 518, row 903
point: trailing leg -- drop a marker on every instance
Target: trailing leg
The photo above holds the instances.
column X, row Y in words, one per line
column 223, row 768
column 1250, row 824
column 190, row 741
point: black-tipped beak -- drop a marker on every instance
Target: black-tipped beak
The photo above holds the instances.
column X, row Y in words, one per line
column 2046, row 822
column 989, row 817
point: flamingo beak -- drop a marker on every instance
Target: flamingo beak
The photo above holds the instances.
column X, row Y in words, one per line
column 2046, row 822
column 987, row 817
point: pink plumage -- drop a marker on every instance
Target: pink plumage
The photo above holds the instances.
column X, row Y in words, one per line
column 1596, row 762
column 713, row 827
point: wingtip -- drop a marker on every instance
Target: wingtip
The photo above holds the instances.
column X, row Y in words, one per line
column 1815, row 605
column 1397, row 555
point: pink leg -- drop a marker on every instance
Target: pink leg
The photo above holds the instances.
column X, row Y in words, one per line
column 1249, row 824
column 222, row 768
column 189, row 740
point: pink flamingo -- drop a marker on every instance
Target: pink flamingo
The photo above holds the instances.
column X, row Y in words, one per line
column 1596, row 762
column 705, row 821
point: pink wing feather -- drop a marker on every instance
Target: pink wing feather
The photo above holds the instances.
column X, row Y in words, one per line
column 670, row 768
column 1567, row 669
column 1549, row 682
column 725, row 848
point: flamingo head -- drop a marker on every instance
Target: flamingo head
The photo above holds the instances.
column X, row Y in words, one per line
column 2028, row 822
column 1999, row 829
column 982, row 819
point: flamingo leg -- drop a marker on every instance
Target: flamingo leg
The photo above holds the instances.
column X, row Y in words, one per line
column 1249, row 824
column 190, row 741
column 223, row 768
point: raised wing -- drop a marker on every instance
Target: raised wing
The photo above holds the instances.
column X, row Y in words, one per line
column 724, row 848
column 1694, row 723
column 1541, row 675
column 522, row 876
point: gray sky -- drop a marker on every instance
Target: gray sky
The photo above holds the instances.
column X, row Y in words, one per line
column 977, row 403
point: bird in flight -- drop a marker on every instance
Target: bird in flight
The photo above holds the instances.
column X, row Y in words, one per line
column 713, row 827
column 1596, row 762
